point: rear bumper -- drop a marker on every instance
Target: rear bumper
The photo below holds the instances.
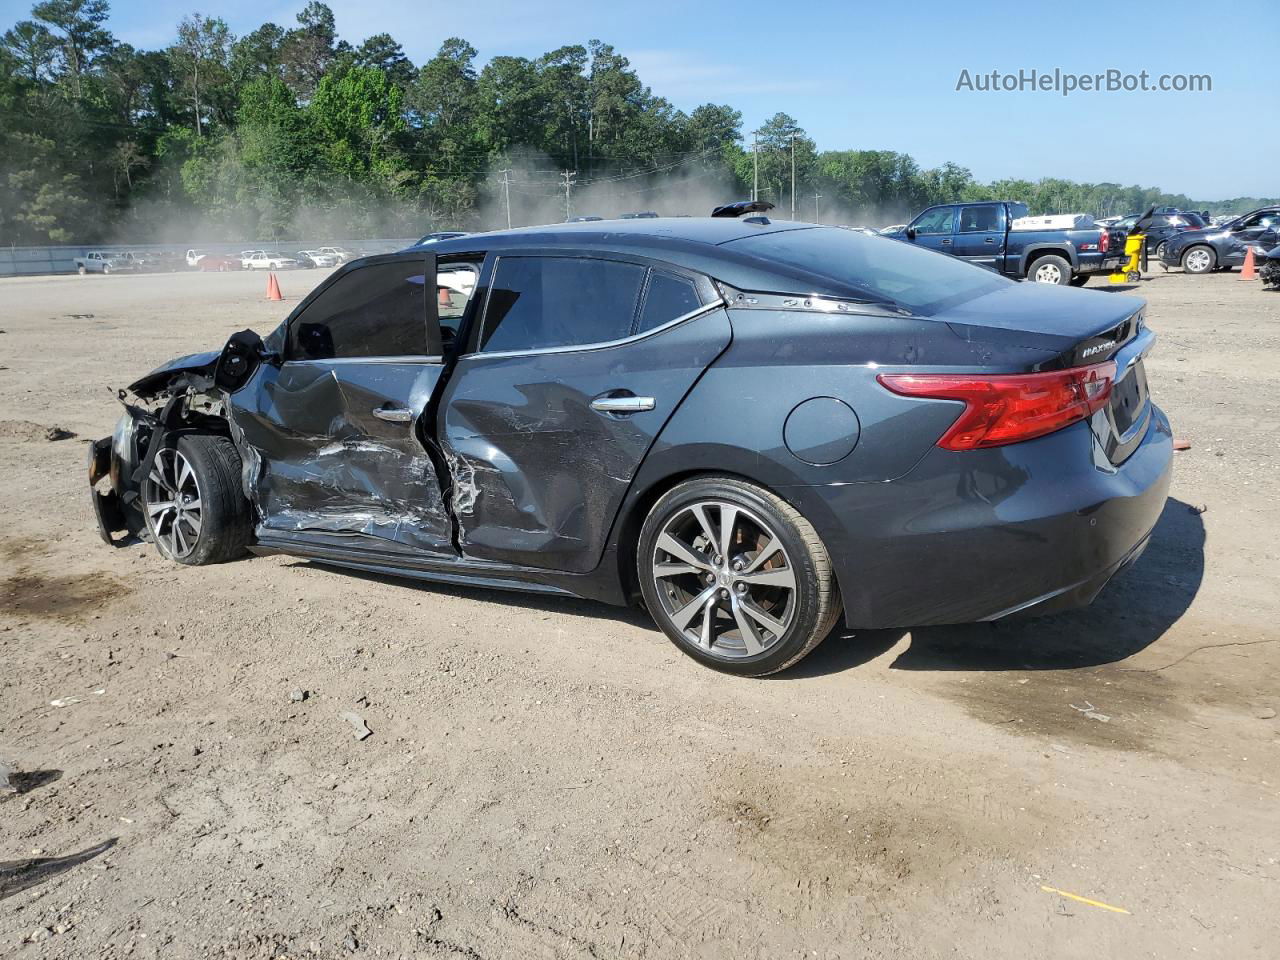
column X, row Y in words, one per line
column 1092, row 263
column 1026, row 529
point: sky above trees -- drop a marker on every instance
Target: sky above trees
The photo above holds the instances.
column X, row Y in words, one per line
column 278, row 128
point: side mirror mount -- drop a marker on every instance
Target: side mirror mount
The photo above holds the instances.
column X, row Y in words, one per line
column 240, row 359
column 910, row 233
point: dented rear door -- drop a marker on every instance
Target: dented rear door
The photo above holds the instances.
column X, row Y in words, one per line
column 574, row 368
column 333, row 435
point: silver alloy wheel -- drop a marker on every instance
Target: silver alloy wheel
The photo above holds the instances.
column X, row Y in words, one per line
column 1048, row 273
column 1160, row 249
column 171, row 497
column 724, row 579
column 1198, row 260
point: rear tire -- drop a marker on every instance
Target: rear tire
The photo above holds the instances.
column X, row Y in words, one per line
column 1199, row 259
column 1049, row 268
column 82, row 269
column 193, row 504
column 1079, row 280
column 775, row 570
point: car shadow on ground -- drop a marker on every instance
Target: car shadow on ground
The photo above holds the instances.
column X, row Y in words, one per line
column 1129, row 615
column 559, row 604
column 1132, row 612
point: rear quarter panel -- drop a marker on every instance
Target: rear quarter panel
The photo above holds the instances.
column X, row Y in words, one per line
column 734, row 419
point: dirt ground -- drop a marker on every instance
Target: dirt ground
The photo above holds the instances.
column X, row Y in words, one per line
column 550, row 778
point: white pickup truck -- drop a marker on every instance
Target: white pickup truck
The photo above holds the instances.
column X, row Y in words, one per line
column 95, row 261
column 264, row 260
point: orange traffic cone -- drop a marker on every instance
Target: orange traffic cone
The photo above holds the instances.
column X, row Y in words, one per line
column 1247, row 272
column 273, row 287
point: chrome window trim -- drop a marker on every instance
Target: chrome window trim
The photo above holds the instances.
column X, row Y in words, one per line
column 602, row 345
column 412, row 358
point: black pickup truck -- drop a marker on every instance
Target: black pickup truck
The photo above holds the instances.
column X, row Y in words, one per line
column 982, row 234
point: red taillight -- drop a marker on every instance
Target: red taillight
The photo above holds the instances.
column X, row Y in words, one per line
column 1008, row 408
column 1104, row 242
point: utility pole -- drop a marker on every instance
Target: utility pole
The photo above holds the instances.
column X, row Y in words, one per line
column 506, row 193
column 755, row 165
column 793, row 176
column 569, row 176
column 816, row 198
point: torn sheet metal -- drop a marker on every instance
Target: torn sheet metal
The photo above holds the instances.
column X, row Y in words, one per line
column 538, row 472
column 356, row 486
column 318, row 457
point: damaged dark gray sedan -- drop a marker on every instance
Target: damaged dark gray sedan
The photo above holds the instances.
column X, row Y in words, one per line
column 750, row 427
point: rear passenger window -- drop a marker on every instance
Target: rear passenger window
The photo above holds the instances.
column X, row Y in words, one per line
column 373, row 311
column 540, row 302
column 983, row 219
column 668, row 297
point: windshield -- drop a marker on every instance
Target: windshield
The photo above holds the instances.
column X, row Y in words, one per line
column 920, row 280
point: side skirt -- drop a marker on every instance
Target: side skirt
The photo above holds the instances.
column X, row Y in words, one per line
column 330, row 549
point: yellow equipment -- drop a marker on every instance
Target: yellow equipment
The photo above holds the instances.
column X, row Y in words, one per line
column 1129, row 272
column 1134, row 245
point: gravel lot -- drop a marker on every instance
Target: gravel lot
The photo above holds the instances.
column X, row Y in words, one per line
column 550, row 778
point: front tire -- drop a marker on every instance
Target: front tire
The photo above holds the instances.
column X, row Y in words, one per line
column 1199, row 259
column 735, row 576
column 194, row 508
column 1050, row 268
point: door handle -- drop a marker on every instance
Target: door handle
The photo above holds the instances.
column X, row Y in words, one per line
column 393, row 414
column 989, row 240
column 946, row 243
column 623, row 405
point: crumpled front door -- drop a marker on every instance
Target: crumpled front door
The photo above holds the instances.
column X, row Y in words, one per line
column 336, row 449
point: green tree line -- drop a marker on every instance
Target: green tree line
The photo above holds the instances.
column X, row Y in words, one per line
column 250, row 136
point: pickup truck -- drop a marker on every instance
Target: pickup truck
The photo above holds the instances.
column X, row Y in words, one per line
column 266, row 260
column 982, row 233
column 96, row 261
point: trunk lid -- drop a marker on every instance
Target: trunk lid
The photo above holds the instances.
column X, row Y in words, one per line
column 1064, row 327
column 1042, row 315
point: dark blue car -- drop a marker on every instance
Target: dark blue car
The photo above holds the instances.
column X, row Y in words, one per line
column 755, row 429
column 1213, row 248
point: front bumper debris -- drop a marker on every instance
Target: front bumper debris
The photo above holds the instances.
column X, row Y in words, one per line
column 107, row 507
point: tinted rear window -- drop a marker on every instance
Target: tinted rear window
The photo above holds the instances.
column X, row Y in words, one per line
column 668, row 297
column 883, row 268
column 541, row 302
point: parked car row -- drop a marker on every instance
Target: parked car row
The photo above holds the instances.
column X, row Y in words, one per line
column 206, row 261
column 1001, row 237
column 1225, row 246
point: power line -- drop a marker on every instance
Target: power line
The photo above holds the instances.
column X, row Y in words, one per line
column 506, row 191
